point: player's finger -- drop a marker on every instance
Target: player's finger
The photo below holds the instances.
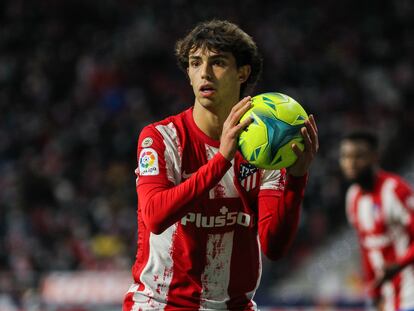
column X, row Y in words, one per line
column 242, row 126
column 237, row 107
column 296, row 150
column 313, row 135
column 231, row 119
column 240, row 105
column 240, row 112
column 307, row 140
column 313, row 122
column 311, row 126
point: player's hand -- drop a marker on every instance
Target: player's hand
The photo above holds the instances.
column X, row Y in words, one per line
column 310, row 137
column 379, row 304
column 232, row 128
column 389, row 272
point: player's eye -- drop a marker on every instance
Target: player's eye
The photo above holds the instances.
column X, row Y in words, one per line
column 195, row 63
column 219, row 62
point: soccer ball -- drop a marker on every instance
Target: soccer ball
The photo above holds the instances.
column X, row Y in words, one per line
column 277, row 120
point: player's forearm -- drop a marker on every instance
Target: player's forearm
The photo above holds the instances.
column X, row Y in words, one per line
column 162, row 206
column 277, row 230
column 279, row 217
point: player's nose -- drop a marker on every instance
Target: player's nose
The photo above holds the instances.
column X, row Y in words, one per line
column 206, row 71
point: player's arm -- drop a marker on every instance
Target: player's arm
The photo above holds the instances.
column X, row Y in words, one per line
column 279, row 203
column 161, row 201
column 279, row 212
column 404, row 214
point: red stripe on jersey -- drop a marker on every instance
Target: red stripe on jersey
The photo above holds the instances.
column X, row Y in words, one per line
column 128, row 302
column 184, row 289
column 397, row 288
column 143, row 255
column 251, row 181
column 239, row 280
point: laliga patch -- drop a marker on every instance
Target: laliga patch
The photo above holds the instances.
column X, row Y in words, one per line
column 147, row 142
column 148, row 162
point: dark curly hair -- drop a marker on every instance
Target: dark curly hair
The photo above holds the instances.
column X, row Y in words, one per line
column 223, row 36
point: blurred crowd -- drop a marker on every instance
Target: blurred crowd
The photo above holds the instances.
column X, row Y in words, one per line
column 79, row 79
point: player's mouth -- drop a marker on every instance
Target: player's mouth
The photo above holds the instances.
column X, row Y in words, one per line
column 207, row 90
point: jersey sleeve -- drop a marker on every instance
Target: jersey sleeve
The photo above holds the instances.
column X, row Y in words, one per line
column 162, row 198
column 279, row 203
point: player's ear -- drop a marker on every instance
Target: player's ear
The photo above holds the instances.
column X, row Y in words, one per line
column 244, row 73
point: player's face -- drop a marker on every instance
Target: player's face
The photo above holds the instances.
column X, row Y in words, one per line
column 355, row 158
column 215, row 77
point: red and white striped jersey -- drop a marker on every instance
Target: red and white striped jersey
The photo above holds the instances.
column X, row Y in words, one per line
column 384, row 221
column 203, row 221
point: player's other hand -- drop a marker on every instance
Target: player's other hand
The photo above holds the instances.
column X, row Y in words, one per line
column 310, row 137
column 232, row 128
column 389, row 272
column 379, row 304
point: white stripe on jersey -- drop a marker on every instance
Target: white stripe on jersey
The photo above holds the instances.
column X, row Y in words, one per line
column 393, row 207
column 227, row 181
column 254, row 176
column 247, row 182
column 365, row 216
column 396, row 212
column 388, row 293
column 401, row 245
column 216, row 276
column 158, row 272
column 406, row 289
column 271, row 180
column 172, row 152
column 377, row 260
column 350, row 199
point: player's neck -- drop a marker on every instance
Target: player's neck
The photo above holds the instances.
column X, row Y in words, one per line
column 367, row 178
column 208, row 121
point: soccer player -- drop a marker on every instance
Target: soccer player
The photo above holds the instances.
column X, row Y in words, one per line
column 380, row 206
column 204, row 213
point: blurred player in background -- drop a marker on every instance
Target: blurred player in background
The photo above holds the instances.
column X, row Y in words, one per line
column 380, row 206
column 204, row 213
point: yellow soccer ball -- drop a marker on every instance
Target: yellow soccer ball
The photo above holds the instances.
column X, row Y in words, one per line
column 277, row 120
